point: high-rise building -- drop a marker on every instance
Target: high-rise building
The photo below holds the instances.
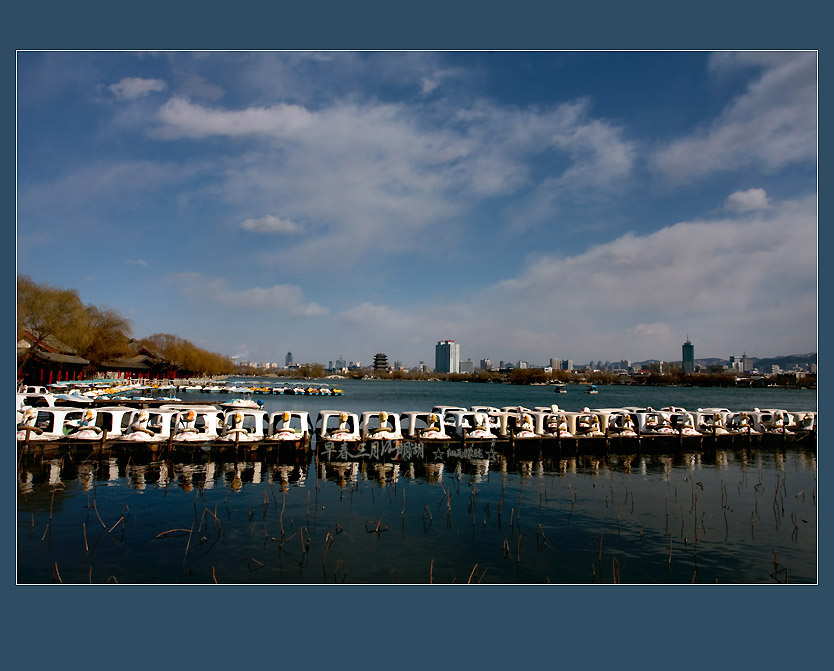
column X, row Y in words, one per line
column 288, row 359
column 447, row 356
column 567, row 364
column 688, row 354
column 486, row 364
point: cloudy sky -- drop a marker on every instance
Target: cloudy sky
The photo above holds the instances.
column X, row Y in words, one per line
column 529, row 205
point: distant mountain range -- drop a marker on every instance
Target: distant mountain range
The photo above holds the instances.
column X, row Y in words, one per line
column 784, row 362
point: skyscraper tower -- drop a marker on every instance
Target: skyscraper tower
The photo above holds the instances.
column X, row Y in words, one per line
column 447, row 357
column 688, row 356
column 288, row 360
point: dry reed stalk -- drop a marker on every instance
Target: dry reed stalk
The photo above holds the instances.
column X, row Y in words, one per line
column 95, row 507
column 51, row 501
column 474, row 568
column 121, row 519
column 57, row 574
column 45, row 531
column 518, row 550
column 90, row 576
column 213, row 576
column 328, row 541
column 615, row 570
column 171, row 531
column 84, row 527
column 600, row 546
column 341, row 562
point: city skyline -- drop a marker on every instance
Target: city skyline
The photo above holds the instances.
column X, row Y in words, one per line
column 522, row 203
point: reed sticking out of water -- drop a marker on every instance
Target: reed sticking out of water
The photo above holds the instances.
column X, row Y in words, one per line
column 600, row 546
column 57, row 575
column 281, row 519
column 431, row 572
column 171, row 531
column 84, row 527
column 188, row 544
column 339, row 562
column 615, row 570
column 121, row 519
column 474, row 568
column 328, row 541
column 51, row 501
column 670, row 550
column 213, row 576
column 426, row 509
column 45, row 531
column 541, row 539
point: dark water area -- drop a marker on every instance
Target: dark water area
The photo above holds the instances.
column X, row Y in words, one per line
column 490, row 514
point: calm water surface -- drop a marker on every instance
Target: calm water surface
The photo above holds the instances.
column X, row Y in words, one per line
column 491, row 515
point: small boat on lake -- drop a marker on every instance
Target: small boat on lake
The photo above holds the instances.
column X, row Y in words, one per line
column 381, row 425
column 338, row 426
column 420, row 425
column 289, row 426
column 592, row 389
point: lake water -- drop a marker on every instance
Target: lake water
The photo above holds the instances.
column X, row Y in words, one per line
column 494, row 516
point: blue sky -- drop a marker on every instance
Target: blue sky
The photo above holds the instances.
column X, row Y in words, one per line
column 582, row 205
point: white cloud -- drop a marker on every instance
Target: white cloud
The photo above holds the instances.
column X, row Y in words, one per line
column 137, row 262
column 131, row 88
column 270, row 224
column 771, row 125
column 752, row 199
column 366, row 172
column 638, row 296
column 281, row 297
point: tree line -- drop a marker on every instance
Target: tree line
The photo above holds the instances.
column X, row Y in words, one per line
column 99, row 334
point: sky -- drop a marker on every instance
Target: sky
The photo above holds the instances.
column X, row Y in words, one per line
column 528, row 205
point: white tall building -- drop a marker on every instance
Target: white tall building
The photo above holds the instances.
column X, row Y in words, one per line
column 447, row 356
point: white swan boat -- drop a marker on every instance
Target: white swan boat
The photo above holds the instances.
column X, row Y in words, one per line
column 338, row 426
column 243, row 426
column 149, row 426
column 197, row 424
column 289, row 426
column 419, row 425
column 380, row 425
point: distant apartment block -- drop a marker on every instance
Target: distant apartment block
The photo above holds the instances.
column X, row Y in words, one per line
column 447, row 356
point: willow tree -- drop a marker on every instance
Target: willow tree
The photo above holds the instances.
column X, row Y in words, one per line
column 47, row 312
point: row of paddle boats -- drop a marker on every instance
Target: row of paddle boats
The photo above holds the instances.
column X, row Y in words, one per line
column 182, row 423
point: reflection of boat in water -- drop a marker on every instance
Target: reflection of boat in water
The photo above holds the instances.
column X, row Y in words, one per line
column 559, row 388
